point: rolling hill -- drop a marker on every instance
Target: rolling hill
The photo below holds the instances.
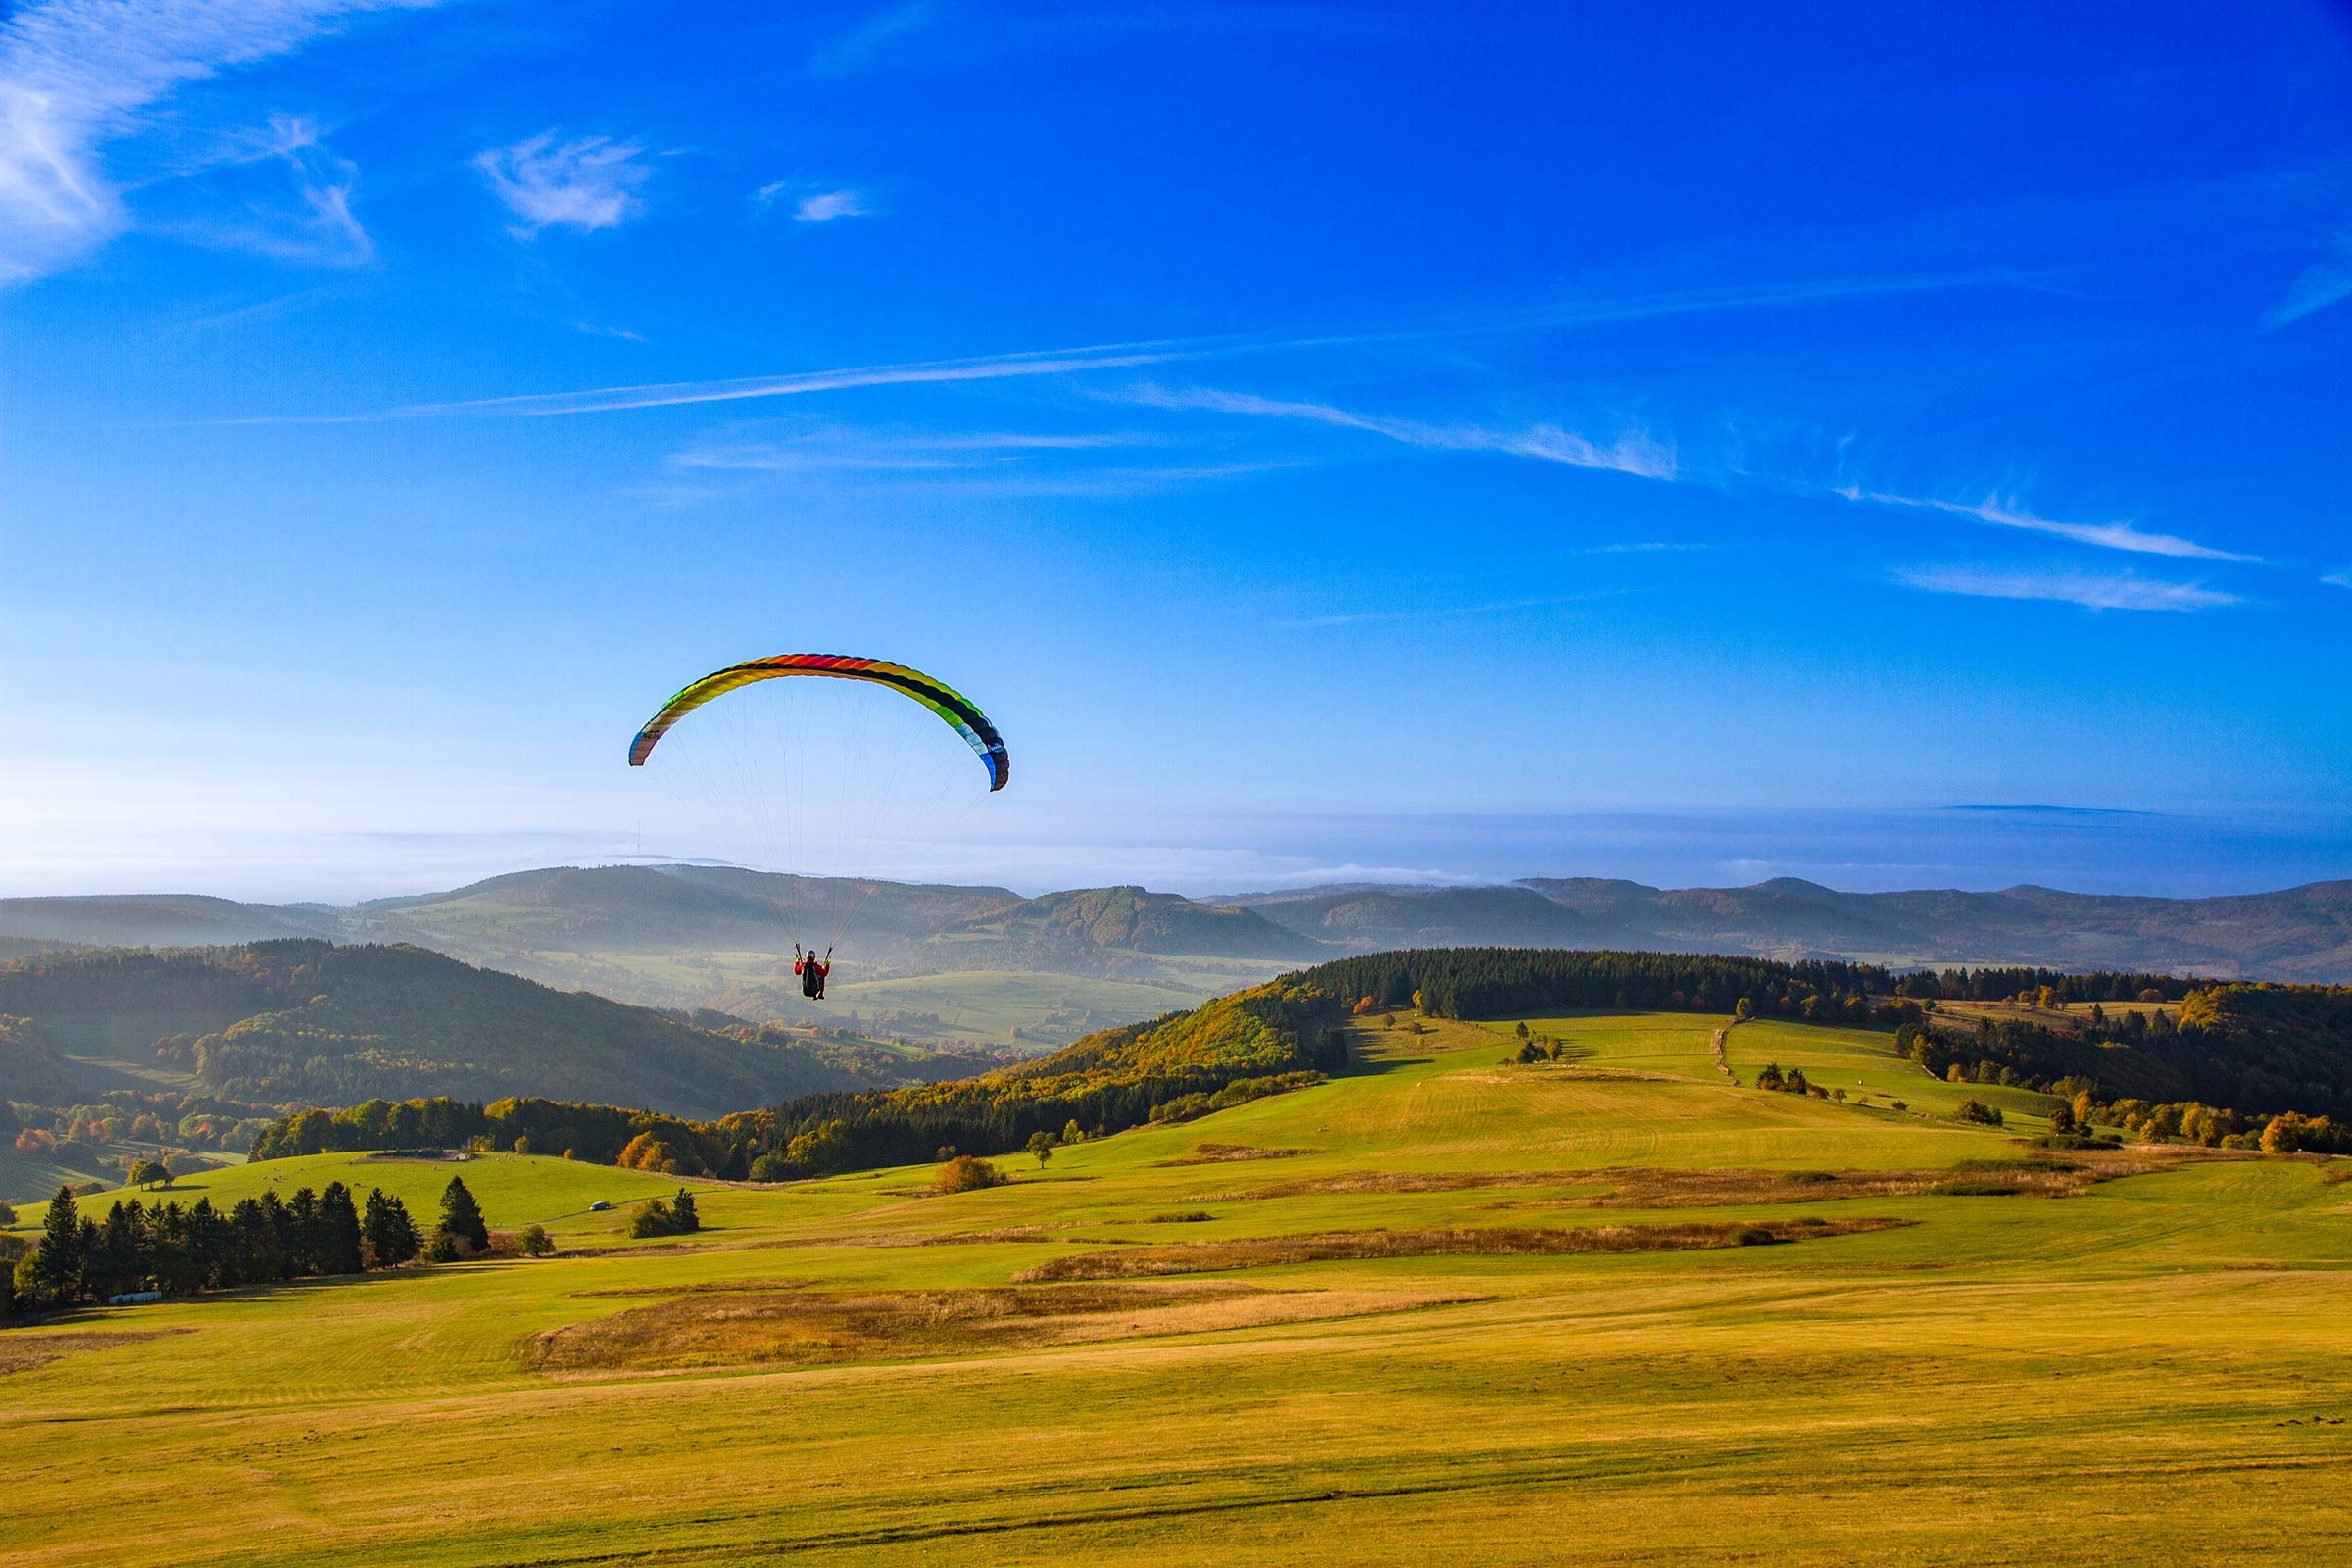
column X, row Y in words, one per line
column 306, row 1020
column 1622, row 1307
column 687, row 936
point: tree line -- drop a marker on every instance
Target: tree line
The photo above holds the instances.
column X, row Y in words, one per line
column 1498, row 982
column 258, row 1240
column 2047, row 986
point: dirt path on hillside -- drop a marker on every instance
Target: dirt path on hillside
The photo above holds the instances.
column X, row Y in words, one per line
column 1715, row 1048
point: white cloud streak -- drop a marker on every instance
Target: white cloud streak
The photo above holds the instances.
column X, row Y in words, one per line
column 2340, row 579
column 897, row 450
column 824, row 206
column 2321, row 284
column 1632, row 453
column 589, row 183
column 2091, row 591
column 986, row 367
column 79, row 74
column 855, row 49
column 2001, row 514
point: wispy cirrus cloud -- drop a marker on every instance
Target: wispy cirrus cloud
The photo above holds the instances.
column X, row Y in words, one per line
column 824, row 206
column 2005, row 513
column 2338, row 579
column 855, row 49
column 2091, row 590
column 309, row 221
column 2325, row 282
column 837, row 448
column 79, row 76
column 983, row 367
column 587, row 183
column 976, row 462
column 1633, row 451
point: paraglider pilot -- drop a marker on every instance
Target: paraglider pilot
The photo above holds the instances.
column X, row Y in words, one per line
column 812, row 971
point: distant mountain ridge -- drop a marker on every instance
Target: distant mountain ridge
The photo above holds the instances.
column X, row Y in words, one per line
column 571, row 926
column 2302, row 933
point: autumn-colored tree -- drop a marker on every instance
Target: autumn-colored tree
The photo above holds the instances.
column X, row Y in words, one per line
column 965, row 1174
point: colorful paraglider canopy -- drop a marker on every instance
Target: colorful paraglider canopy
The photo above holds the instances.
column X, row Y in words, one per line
column 949, row 704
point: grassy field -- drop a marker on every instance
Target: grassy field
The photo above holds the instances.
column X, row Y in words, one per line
column 1443, row 1310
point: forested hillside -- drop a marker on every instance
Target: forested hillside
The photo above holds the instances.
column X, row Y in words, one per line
column 308, row 1021
column 1256, row 1041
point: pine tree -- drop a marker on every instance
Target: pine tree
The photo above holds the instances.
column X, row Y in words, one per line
column 57, row 1267
column 303, row 1235
column 389, row 1235
column 684, row 1213
column 338, row 1231
column 462, row 1217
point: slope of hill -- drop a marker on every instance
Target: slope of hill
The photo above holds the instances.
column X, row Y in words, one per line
column 304, row 1020
column 176, row 921
column 1616, row 1307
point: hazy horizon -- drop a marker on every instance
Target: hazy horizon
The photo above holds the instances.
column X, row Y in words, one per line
column 1974, row 847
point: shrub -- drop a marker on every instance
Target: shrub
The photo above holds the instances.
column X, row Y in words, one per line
column 532, row 1241
column 1975, row 1111
column 673, row 1217
column 965, row 1174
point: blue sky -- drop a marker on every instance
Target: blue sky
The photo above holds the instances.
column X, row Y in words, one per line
column 1692, row 442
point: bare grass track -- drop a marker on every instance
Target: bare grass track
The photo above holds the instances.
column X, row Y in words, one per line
column 768, row 1325
column 1216, row 1153
column 21, row 1351
column 1205, row 1258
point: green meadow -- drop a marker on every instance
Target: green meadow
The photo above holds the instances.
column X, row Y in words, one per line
column 1616, row 1308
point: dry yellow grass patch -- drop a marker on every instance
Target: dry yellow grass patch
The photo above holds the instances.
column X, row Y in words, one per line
column 760, row 1324
column 1261, row 1252
column 1638, row 1187
column 20, row 1351
column 1214, row 1154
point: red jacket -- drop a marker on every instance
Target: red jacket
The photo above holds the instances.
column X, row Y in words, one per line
column 822, row 969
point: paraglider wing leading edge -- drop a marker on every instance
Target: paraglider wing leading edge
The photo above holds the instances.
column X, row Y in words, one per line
column 954, row 706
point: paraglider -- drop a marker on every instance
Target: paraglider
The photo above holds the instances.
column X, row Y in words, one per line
column 826, row 775
column 812, row 971
column 949, row 704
